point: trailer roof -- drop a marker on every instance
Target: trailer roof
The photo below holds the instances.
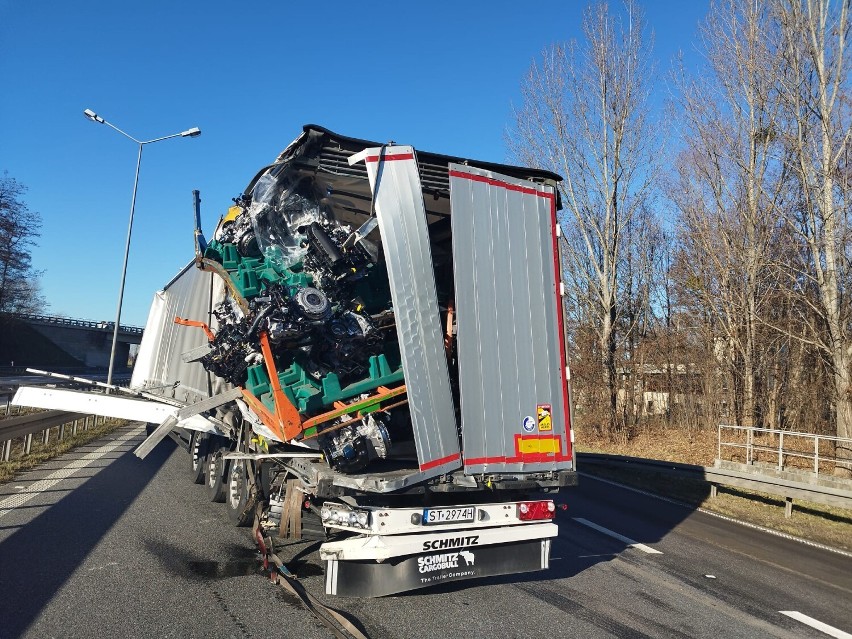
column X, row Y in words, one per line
column 322, row 151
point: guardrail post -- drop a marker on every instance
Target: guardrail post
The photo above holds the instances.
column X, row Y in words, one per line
column 74, row 428
column 781, row 451
column 7, row 450
column 61, row 432
column 816, row 455
column 788, row 507
column 719, row 441
column 7, row 406
column 28, row 444
column 45, row 437
column 714, row 491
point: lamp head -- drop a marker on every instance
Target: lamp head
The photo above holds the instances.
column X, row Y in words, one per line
column 194, row 132
column 94, row 117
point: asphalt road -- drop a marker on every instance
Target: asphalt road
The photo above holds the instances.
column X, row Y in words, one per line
column 100, row 544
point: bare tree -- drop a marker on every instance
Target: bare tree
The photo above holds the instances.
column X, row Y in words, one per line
column 816, row 89
column 730, row 184
column 585, row 115
column 19, row 290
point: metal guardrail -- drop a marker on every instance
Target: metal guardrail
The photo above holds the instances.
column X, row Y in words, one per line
column 26, row 426
column 815, row 449
column 789, row 489
column 77, row 323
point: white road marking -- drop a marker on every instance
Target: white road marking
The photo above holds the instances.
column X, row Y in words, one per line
column 831, row 631
column 615, row 535
column 768, row 531
column 11, row 502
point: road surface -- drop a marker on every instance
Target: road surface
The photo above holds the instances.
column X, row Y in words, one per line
column 100, row 544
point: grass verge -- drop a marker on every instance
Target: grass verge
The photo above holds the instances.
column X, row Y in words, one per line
column 814, row 522
column 40, row 453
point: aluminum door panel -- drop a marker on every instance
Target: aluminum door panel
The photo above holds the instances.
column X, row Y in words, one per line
column 398, row 200
column 510, row 345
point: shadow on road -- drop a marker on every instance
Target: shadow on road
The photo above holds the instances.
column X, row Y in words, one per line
column 37, row 559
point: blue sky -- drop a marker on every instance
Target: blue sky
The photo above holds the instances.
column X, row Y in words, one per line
column 441, row 76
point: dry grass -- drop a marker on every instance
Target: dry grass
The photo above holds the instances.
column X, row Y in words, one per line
column 40, row 453
column 822, row 524
column 686, row 447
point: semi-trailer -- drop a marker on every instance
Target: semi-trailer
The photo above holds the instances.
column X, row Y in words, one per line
column 369, row 351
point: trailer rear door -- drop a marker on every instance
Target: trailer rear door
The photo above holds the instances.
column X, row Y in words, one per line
column 511, row 345
column 401, row 213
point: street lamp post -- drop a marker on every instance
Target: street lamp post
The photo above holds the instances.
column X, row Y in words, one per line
column 189, row 133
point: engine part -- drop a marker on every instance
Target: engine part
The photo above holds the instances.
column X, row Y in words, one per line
column 326, row 249
column 351, row 448
column 313, row 303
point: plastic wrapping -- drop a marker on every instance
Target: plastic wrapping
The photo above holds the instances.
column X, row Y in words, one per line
column 279, row 211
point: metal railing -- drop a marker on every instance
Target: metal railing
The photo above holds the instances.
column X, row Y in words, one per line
column 77, row 323
column 836, row 496
column 787, row 450
column 23, row 422
column 27, row 426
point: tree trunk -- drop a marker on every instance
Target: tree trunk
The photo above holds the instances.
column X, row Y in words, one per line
column 608, row 344
column 843, row 413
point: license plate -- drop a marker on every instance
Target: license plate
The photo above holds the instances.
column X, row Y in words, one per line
column 448, row 515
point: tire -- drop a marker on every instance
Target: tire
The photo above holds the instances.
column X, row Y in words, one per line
column 240, row 512
column 216, row 478
column 198, row 457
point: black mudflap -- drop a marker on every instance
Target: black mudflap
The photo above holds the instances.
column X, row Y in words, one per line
column 371, row 579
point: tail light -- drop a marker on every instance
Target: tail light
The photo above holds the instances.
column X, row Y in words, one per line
column 536, row 510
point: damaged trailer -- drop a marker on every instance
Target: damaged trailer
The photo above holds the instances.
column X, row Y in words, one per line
column 370, row 351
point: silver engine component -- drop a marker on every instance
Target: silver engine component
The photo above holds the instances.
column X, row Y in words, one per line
column 353, row 447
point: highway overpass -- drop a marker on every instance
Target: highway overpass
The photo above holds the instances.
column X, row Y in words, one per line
column 45, row 341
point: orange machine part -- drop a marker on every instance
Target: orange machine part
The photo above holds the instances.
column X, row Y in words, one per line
column 288, row 415
column 266, row 417
column 188, row 322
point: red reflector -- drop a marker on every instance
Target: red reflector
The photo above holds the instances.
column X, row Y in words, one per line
column 535, row 510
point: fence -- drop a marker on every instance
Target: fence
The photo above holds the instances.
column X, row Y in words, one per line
column 786, row 450
column 27, row 426
column 77, row 323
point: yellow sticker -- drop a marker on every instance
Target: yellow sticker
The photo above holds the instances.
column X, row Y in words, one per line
column 544, row 420
column 537, row 445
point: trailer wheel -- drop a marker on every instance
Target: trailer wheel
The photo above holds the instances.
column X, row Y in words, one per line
column 198, row 456
column 217, row 468
column 240, row 512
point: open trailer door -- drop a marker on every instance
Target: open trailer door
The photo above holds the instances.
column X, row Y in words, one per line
column 398, row 199
column 511, row 345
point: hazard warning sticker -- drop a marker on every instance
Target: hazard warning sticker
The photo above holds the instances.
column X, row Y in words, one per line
column 544, row 420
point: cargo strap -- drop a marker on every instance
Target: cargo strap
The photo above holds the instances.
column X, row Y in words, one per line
column 342, row 627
